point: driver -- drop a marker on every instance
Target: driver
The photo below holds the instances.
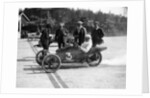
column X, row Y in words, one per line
column 87, row 44
column 80, row 50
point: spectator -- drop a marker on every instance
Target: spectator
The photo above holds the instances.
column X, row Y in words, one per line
column 60, row 35
column 97, row 34
column 45, row 39
column 80, row 33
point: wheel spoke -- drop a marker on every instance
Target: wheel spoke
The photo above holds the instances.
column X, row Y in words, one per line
column 51, row 62
column 39, row 57
column 94, row 59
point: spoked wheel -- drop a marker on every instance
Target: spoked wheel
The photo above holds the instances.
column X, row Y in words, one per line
column 94, row 59
column 51, row 63
column 40, row 56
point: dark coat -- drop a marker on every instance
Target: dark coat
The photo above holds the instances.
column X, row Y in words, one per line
column 80, row 35
column 45, row 39
column 60, row 34
column 97, row 36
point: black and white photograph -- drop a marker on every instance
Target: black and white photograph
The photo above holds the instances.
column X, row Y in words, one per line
column 72, row 47
column 83, row 47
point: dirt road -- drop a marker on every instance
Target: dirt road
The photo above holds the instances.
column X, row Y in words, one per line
column 111, row 73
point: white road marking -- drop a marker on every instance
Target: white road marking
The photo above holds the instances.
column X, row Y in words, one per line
column 60, row 85
column 53, row 75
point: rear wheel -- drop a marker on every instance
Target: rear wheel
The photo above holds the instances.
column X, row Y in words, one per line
column 51, row 63
column 94, row 59
column 40, row 56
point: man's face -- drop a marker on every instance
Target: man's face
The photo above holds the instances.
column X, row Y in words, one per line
column 78, row 25
column 87, row 39
column 61, row 27
column 42, row 28
column 96, row 25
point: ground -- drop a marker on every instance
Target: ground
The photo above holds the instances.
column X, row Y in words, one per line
column 111, row 73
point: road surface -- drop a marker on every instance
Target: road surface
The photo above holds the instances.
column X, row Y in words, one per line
column 111, row 73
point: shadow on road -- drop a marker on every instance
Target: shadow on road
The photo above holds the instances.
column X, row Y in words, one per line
column 38, row 69
column 73, row 67
column 24, row 60
column 34, row 69
column 49, row 46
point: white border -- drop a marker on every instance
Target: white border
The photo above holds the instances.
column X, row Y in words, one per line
column 134, row 48
column 148, row 35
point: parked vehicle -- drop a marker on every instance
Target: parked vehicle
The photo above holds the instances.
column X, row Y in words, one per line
column 52, row 62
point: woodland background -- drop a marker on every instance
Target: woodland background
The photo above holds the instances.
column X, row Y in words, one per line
column 112, row 25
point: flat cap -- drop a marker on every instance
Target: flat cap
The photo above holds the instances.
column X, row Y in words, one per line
column 97, row 22
column 61, row 24
column 80, row 22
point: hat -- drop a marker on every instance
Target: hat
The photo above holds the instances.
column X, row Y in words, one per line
column 61, row 24
column 88, row 36
column 80, row 22
column 97, row 22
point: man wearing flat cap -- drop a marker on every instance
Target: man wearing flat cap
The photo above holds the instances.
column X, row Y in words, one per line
column 97, row 34
column 80, row 33
column 60, row 35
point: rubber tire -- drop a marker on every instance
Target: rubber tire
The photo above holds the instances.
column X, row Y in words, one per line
column 100, row 59
column 51, row 70
column 37, row 58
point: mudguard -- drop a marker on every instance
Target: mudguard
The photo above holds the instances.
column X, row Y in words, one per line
column 97, row 49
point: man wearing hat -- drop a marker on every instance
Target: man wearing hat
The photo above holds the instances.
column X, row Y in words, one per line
column 60, row 35
column 44, row 39
column 97, row 34
column 80, row 33
column 81, row 50
column 87, row 44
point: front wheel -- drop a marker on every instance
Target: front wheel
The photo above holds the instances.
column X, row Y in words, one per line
column 94, row 59
column 51, row 63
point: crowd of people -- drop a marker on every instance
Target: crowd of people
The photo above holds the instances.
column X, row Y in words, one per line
column 82, row 38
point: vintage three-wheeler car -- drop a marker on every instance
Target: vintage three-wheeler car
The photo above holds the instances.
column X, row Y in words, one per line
column 52, row 62
column 69, row 54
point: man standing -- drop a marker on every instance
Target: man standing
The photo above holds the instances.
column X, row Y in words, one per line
column 45, row 39
column 60, row 35
column 80, row 33
column 97, row 34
